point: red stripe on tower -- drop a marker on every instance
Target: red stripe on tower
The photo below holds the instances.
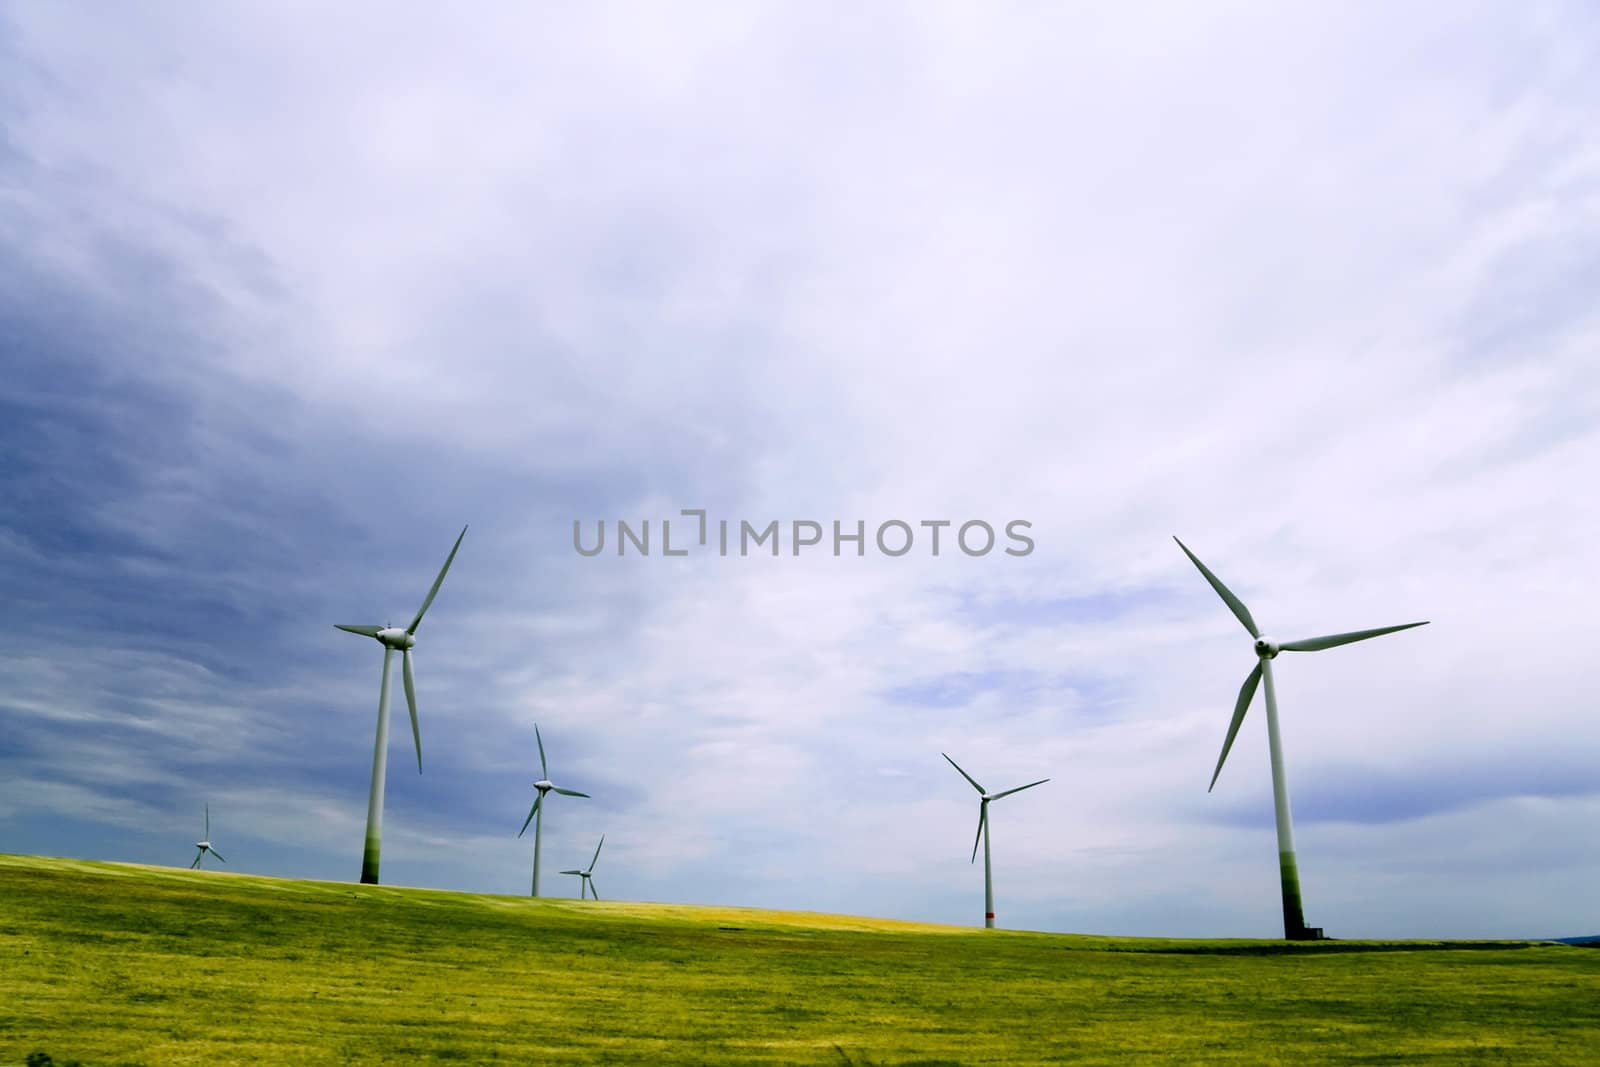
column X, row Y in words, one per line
column 988, row 915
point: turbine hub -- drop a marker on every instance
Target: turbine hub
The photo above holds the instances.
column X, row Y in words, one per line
column 396, row 638
column 1266, row 648
column 544, row 785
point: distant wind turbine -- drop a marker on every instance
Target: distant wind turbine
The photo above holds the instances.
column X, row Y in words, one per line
column 543, row 785
column 586, row 875
column 983, row 835
column 392, row 638
column 204, row 844
column 1294, row 923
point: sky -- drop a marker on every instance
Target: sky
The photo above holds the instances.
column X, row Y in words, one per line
column 289, row 295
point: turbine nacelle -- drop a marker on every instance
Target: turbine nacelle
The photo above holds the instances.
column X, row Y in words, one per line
column 396, row 638
column 544, row 785
column 1267, row 648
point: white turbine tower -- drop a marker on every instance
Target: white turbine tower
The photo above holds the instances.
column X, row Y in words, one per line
column 1294, row 923
column 392, row 639
column 983, row 834
column 587, row 875
column 543, row 785
column 204, row 844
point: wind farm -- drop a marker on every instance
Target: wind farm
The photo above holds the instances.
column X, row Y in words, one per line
column 902, row 978
column 825, row 399
column 790, row 987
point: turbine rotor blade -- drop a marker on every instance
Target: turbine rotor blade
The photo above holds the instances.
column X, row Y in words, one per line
column 983, row 815
column 569, row 792
column 437, row 582
column 1317, row 644
column 965, row 775
column 544, row 768
column 1019, row 789
column 197, row 856
column 578, row 873
column 531, row 812
column 592, row 890
column 208, row 823
column 364, row 631
column 1235, row 605
column 1247, row 692
column 597, row 851
column 411, row 703
column 217, row 854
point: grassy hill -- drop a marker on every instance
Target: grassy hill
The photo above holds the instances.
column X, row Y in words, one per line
column 120, row 964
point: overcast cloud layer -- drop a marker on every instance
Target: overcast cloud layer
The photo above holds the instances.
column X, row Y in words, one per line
column 289, row 296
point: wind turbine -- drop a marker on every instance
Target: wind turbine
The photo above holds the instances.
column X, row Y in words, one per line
column 392, row 638
column 983, row 833
column 587, row 876
column 204, row 844
column 544, row 785
column 1294, row 923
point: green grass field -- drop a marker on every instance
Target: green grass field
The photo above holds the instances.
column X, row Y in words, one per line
column 118, row 964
